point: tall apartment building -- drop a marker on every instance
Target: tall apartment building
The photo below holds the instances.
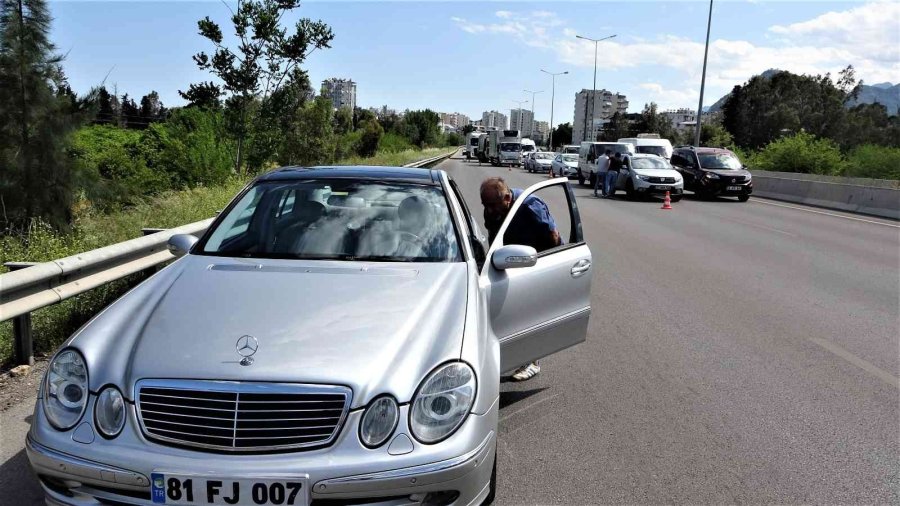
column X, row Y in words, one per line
column 521, row 120
column 541, row 132
column 342, row 92
column 605, row 104
column 454, row 119
column 682, row 118
column 494, row 119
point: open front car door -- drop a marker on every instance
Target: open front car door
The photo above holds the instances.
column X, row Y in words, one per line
column 538, row 283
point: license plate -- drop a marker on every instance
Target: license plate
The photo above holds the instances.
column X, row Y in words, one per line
column 660, row 187
column 191, row 489
column 733, row 188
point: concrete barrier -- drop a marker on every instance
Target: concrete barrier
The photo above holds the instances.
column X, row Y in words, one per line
column 876, row 197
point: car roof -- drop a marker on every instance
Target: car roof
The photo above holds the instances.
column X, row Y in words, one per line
column 706, row 150
column 293, row 173
column 646, row 155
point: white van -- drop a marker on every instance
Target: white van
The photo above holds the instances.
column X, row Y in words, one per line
column 659, row 147
column 528, row 147
column 588, row 153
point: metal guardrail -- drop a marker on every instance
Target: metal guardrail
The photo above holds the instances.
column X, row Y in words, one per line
column 30, row 286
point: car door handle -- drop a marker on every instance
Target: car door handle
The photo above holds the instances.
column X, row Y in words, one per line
column 580, row 268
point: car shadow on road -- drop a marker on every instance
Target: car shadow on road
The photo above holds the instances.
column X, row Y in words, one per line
column 511, row 397
column 17, row 483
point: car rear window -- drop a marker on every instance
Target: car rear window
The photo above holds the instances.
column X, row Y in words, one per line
column 337, row 219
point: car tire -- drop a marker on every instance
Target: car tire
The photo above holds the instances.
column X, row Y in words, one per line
column 675, row 198
column 629, row 190
column 743, row 198
column 492, row 494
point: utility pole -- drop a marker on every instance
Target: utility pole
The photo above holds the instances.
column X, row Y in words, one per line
column 533, row 93
column 703, row 78
column 552, row 100
column 594, row 93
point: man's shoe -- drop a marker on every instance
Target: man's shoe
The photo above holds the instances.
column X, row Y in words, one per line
column 527, row 372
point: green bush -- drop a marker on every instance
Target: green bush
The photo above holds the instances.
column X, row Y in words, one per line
column 878, row 162
column 392, row 142
column 371, row 138
column 192, row 146
column 801, row 152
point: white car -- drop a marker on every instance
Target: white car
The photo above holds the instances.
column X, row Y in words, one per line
column 539, row 162
column 566, row 164
column 644, row 174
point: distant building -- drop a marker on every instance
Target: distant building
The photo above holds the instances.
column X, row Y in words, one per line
column 494, row 119
column 605, row 104
column 521, row 120
column 342, row 92
column 681, row 119
column 541, row 132
column 457, row 120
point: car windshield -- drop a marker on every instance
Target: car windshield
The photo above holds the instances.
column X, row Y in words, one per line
column 650, row 163
column 723, row 161
column 651, row 150
column 337, row 219
column 527, row 147
column 543, row 156
column 510, row 146
column 570, row 158
column 473, row 141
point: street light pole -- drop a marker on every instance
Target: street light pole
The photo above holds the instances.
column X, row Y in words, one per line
column 552, row 100
column 533, row 93
column 703, row 78
column 594, row 92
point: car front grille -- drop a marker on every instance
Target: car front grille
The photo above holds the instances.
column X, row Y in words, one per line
column 662, row 180
column 241, row 416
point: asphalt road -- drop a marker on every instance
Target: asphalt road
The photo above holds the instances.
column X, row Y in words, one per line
column 736, row 353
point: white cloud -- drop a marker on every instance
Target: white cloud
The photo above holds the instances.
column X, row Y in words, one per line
column 866, row 36
column 503, row 14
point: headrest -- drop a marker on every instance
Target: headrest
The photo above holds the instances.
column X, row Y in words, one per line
column 309, row 210
column 412, row 206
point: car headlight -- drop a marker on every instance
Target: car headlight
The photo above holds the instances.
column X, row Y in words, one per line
column 109, row 412
column 379, row 421
column 712, row 175
column 65, row 389
column 442, row 402
column 643, row 178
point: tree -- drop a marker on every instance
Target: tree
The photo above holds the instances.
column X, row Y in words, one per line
column 343, row 121
column 616, row 128
column 36, row 120
column 371, row 137
column 468, row 129
column 131, row 114
column 421, row 127
column 107, row 107
column 311, row 140
column 561, row 135
column 261, row 61
column 203, row 96
column 151, row 108
column 654, row 123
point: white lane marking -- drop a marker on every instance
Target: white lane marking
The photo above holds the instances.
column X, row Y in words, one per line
column 756, row 201
column 879, row 373
column 762, row 226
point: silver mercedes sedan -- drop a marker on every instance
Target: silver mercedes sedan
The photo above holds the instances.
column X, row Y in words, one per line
column 337, row 336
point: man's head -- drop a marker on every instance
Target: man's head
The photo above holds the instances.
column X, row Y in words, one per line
column 608, row 152
column 618, row 155
column 496, row 197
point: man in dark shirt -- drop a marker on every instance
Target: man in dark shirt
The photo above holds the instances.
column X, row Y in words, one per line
column 533, row 225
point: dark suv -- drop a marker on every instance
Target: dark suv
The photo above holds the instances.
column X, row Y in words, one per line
column 712, row 171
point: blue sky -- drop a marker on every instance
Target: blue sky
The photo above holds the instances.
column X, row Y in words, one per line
column 476, row 56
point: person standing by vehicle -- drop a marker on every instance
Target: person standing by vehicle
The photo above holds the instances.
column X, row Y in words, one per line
column 612, row 175
column 602, row 169
column 532, row 226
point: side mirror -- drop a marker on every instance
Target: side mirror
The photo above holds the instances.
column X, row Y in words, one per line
column 513, row 257
column 180, row 244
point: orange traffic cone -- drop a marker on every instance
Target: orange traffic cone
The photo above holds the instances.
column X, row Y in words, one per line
column 667, row 202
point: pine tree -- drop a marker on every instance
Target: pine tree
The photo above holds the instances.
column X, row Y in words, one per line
column 37, row 114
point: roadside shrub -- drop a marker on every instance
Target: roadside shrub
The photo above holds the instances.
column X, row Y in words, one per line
column 371, row 137
column 392, row 142
column 878, row 162
column 802, row 152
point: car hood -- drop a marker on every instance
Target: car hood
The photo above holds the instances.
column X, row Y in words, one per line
column 657, row 172
column 574, row 165
column 374, row 327
column 544, row 162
